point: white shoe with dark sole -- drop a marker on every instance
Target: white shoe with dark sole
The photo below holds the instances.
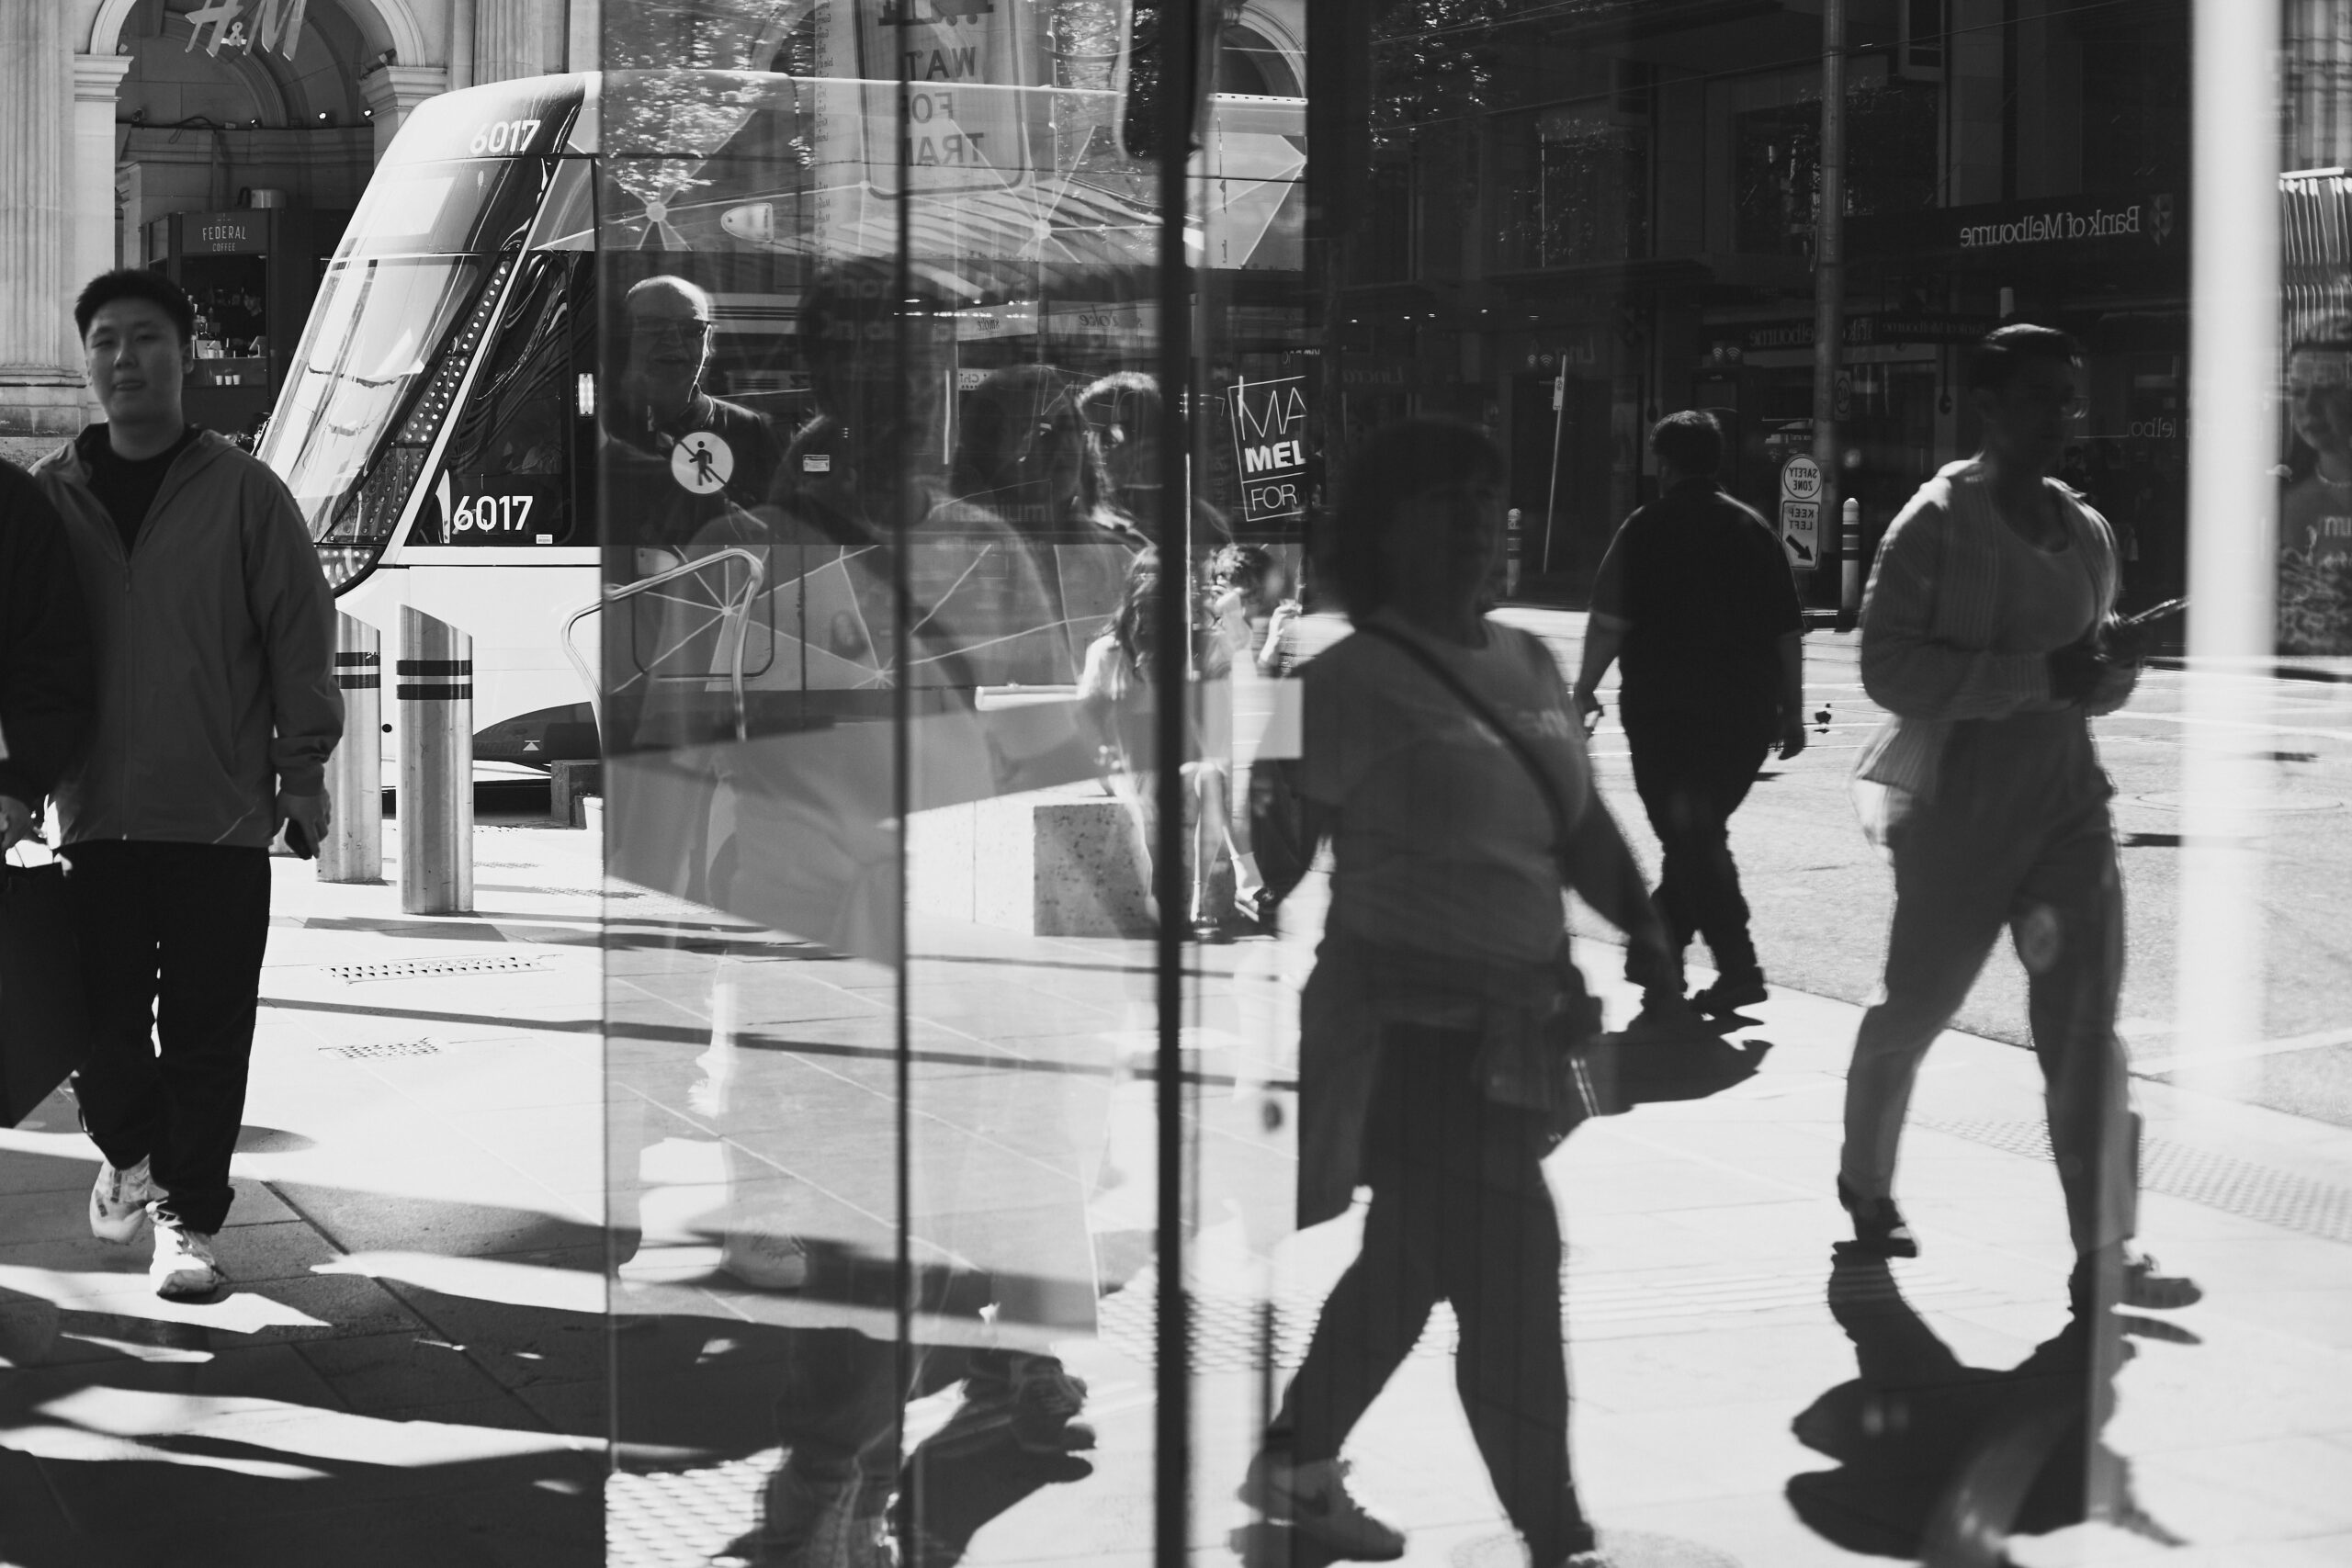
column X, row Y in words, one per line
column 184, row 1268
column 118, row 1203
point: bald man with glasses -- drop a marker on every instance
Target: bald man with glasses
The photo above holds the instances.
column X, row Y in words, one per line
column 684, row 459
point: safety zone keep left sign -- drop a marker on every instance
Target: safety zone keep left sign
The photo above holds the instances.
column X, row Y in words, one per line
column 1801, row 512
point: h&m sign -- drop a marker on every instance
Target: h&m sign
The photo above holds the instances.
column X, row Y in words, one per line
column 248, row 25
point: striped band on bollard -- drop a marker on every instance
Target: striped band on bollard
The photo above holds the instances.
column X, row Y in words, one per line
column 434, row 680
column 359, row 671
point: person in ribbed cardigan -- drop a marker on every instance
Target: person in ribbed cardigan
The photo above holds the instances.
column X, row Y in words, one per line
column 1988, row 635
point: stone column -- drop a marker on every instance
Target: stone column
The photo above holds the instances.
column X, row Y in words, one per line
column 394, row 90
column 518, row 37
column 587, row 40
column 40, row 378
column 95, row 77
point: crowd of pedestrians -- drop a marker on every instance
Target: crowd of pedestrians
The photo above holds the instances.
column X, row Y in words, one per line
column 167, row 638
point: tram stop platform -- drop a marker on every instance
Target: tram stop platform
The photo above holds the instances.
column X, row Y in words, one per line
column 414, row 1366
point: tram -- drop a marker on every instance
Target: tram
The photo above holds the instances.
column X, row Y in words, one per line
column 509, row 425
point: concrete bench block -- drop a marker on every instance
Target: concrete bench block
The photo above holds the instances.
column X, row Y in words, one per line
column 1060, row 862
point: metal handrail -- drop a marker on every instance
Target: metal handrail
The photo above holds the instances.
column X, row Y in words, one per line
column 735, row 613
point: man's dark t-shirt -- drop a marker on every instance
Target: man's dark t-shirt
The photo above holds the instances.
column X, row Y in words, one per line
column 1706, row 594
column 665, row 501
column 127, row 487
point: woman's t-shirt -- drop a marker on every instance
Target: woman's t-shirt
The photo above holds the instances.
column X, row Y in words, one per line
column 1444, row 844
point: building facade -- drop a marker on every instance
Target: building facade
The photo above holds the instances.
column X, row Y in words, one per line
column 1582, row 218
column 119, row 115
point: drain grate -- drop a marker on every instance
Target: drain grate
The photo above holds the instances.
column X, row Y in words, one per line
column 429, row 969
column 2235, row 1186
column 379, row 1049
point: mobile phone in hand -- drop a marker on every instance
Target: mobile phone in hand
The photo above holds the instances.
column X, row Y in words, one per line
column 298, row 838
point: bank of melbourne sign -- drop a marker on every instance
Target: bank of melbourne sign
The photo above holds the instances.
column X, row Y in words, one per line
column 1268, row 421
column 2110, row 225
column 2064, row 223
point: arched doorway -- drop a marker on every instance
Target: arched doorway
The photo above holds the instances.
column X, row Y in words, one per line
column 242, row 141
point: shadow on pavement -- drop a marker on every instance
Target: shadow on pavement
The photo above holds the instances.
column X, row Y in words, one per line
column 317, row 1412
column 1941, row 1462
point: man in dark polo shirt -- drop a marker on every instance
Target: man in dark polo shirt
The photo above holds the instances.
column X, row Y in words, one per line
column 1697, row 597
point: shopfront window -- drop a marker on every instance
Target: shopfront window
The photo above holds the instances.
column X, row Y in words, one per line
column 1507, row 852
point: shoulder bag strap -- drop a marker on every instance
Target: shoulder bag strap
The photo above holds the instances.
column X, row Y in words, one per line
column 1485, row 713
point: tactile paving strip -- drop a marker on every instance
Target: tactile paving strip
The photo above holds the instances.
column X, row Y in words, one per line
column 1623, row 1549
column 1229, row 1329
column 428, row 968
column 2240, row 1187
column 683, row 1519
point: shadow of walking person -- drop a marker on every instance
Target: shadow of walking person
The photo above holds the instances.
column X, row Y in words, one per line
column 1941, row 1462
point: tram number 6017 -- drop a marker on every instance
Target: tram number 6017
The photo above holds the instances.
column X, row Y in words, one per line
column 504, row 136
column 492, row 514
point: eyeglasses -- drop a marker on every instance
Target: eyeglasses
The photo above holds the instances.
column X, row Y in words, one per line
column 671, row 331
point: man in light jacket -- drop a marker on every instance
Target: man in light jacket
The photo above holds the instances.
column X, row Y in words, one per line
column 216, row 710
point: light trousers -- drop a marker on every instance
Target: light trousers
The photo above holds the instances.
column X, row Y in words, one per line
column 2017, row 836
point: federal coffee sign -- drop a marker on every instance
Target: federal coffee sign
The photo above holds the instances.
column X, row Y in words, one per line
column 1268, row 421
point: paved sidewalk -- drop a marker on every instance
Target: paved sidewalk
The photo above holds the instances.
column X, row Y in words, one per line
column 1716, row 1350
column 413, row 1368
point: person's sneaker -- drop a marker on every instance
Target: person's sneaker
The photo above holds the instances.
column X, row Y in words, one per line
column 184, row 1268
column 2141, row 1283
column 1729, row 994
column 1045, row 1402
column 1314, row 1500
column 118, row 1203
column 1666, row 1017
column 808, row 1522
column 764, row 1260
column 1880, row 1229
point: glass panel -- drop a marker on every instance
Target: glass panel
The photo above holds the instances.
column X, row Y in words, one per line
column 880, row 441
column 1437, row 749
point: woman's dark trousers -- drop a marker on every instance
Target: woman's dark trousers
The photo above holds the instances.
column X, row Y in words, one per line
column 1459, row 1212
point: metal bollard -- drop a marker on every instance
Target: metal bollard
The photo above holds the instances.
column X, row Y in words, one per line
column 437, row 800
column 355, row 848
column 1849, row 553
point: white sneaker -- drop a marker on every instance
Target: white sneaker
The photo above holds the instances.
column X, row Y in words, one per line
column 184, row 1268
column 1314, row 1500
column 118, row 1203
column 764, row 1260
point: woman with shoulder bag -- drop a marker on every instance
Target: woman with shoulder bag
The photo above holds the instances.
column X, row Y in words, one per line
column 1444, row 762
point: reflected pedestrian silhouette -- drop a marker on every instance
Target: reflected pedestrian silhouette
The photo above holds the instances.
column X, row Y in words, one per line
column 1942, row 1461
column 1444, row 763
column 1989, row 635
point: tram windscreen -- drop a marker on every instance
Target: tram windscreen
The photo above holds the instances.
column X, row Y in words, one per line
column 389, row 343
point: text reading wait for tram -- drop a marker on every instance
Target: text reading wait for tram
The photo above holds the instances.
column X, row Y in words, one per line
column 956, row 149
column 940, row 64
